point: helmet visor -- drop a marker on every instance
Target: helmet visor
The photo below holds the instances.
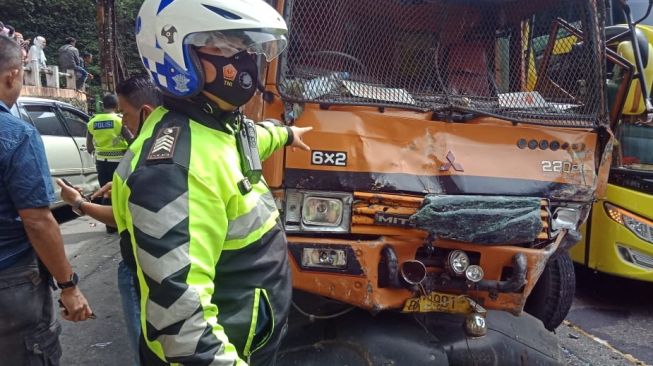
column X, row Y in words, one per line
column 230, row 42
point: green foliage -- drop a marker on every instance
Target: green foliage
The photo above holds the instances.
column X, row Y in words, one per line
column 58, row 19
column 126, row 12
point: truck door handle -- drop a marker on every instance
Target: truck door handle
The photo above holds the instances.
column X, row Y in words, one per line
column 82, row 148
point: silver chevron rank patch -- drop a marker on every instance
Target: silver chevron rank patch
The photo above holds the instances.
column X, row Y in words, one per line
column 163, row 147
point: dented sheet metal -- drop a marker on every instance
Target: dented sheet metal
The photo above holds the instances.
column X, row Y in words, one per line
column 481, row 219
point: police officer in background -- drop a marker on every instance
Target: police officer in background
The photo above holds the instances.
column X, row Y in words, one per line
column 108, row 139
column 210, row 251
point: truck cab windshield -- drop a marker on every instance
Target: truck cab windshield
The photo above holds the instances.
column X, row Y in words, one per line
column 476, row 56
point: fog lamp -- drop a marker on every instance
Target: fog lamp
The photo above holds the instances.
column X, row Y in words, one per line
column 475, row 325
column 324, row 258
column 474, row 273
column 635, row 257
column 457, row 261
column 322, row 211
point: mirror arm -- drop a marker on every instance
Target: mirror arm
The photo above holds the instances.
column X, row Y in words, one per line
column 648, row 12
column 637, row 53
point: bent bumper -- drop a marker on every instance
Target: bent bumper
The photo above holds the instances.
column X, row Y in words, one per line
column 367, row 280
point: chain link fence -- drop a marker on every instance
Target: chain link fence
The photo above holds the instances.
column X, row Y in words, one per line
column 503, row 58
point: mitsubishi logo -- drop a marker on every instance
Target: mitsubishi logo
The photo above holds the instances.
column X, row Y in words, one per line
column 452, row 162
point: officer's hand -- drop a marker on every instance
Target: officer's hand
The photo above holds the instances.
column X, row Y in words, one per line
column 69, row 194
column 104, row 192
column 76, row 307
column 298, row 142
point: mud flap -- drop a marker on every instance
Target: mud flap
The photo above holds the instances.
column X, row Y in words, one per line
column 360, row 339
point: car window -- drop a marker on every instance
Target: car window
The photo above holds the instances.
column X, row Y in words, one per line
column 23, row 115
column 45, row 120
column 14, row 110
column 75, row 121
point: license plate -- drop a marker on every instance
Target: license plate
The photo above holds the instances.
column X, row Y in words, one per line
column 441, row 303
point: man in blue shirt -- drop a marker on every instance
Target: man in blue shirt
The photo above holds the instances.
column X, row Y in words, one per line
column 29, row 331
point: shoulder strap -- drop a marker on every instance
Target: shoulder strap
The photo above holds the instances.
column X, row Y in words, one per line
column 169, row 138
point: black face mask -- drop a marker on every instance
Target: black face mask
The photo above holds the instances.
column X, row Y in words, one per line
column 236, row 78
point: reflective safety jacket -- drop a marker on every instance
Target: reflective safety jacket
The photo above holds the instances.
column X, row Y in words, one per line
column 106, row 129
column 211, row 262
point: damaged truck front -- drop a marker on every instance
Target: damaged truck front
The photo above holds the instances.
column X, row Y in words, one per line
column 451, row 167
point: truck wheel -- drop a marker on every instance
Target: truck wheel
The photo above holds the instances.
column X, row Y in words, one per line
column 553, row 294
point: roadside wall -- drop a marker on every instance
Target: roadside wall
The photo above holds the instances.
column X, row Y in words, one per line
column 74, row 97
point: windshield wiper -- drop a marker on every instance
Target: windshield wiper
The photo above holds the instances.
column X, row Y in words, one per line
column 456, row 114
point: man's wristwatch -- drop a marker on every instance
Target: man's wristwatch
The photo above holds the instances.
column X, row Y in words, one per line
column 74, row 279
column 77, row 207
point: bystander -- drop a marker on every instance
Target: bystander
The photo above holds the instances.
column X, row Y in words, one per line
column 31, row 246
column 82, row 73
column 36, row 52
column 137, row 98
column 18, row 37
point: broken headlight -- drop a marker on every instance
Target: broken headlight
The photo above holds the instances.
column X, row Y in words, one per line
column 565, row 218
column 314, row 211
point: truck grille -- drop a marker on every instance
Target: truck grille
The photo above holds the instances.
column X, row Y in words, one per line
column 385, row 214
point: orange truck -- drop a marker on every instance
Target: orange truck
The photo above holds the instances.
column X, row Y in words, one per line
column 450, row 171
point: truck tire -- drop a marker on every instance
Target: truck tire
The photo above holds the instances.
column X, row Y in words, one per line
column 553, row 294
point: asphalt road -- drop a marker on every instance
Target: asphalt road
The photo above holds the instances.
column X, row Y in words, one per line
column 610, row 324
column 95, row 255
column 615, row 311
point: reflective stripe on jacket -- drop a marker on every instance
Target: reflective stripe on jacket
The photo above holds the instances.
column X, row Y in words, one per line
column 106, row 129
column 212, row 263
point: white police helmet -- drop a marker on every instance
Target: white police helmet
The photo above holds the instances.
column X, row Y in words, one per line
column 168, row 30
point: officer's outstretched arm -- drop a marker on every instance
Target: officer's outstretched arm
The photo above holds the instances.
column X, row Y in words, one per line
column 271, row 135
column 179, row 227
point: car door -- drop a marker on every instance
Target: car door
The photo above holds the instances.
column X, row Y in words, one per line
column 75, row 122
column 61, row 150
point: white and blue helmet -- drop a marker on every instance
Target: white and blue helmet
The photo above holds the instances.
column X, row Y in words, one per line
column 167, row 31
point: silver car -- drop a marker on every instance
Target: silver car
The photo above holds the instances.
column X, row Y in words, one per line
column 63, row 130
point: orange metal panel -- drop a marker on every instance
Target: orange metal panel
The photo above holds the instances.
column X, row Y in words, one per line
column 363, row 291
column 409, row 143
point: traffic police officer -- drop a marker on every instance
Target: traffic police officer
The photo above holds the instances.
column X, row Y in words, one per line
column 108, row 138
column 211, row 254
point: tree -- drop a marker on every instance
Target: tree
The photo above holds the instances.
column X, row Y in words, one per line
column 57, row 19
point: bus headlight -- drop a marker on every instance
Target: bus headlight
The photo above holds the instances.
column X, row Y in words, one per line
column 313, row 211
column 639, row 226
